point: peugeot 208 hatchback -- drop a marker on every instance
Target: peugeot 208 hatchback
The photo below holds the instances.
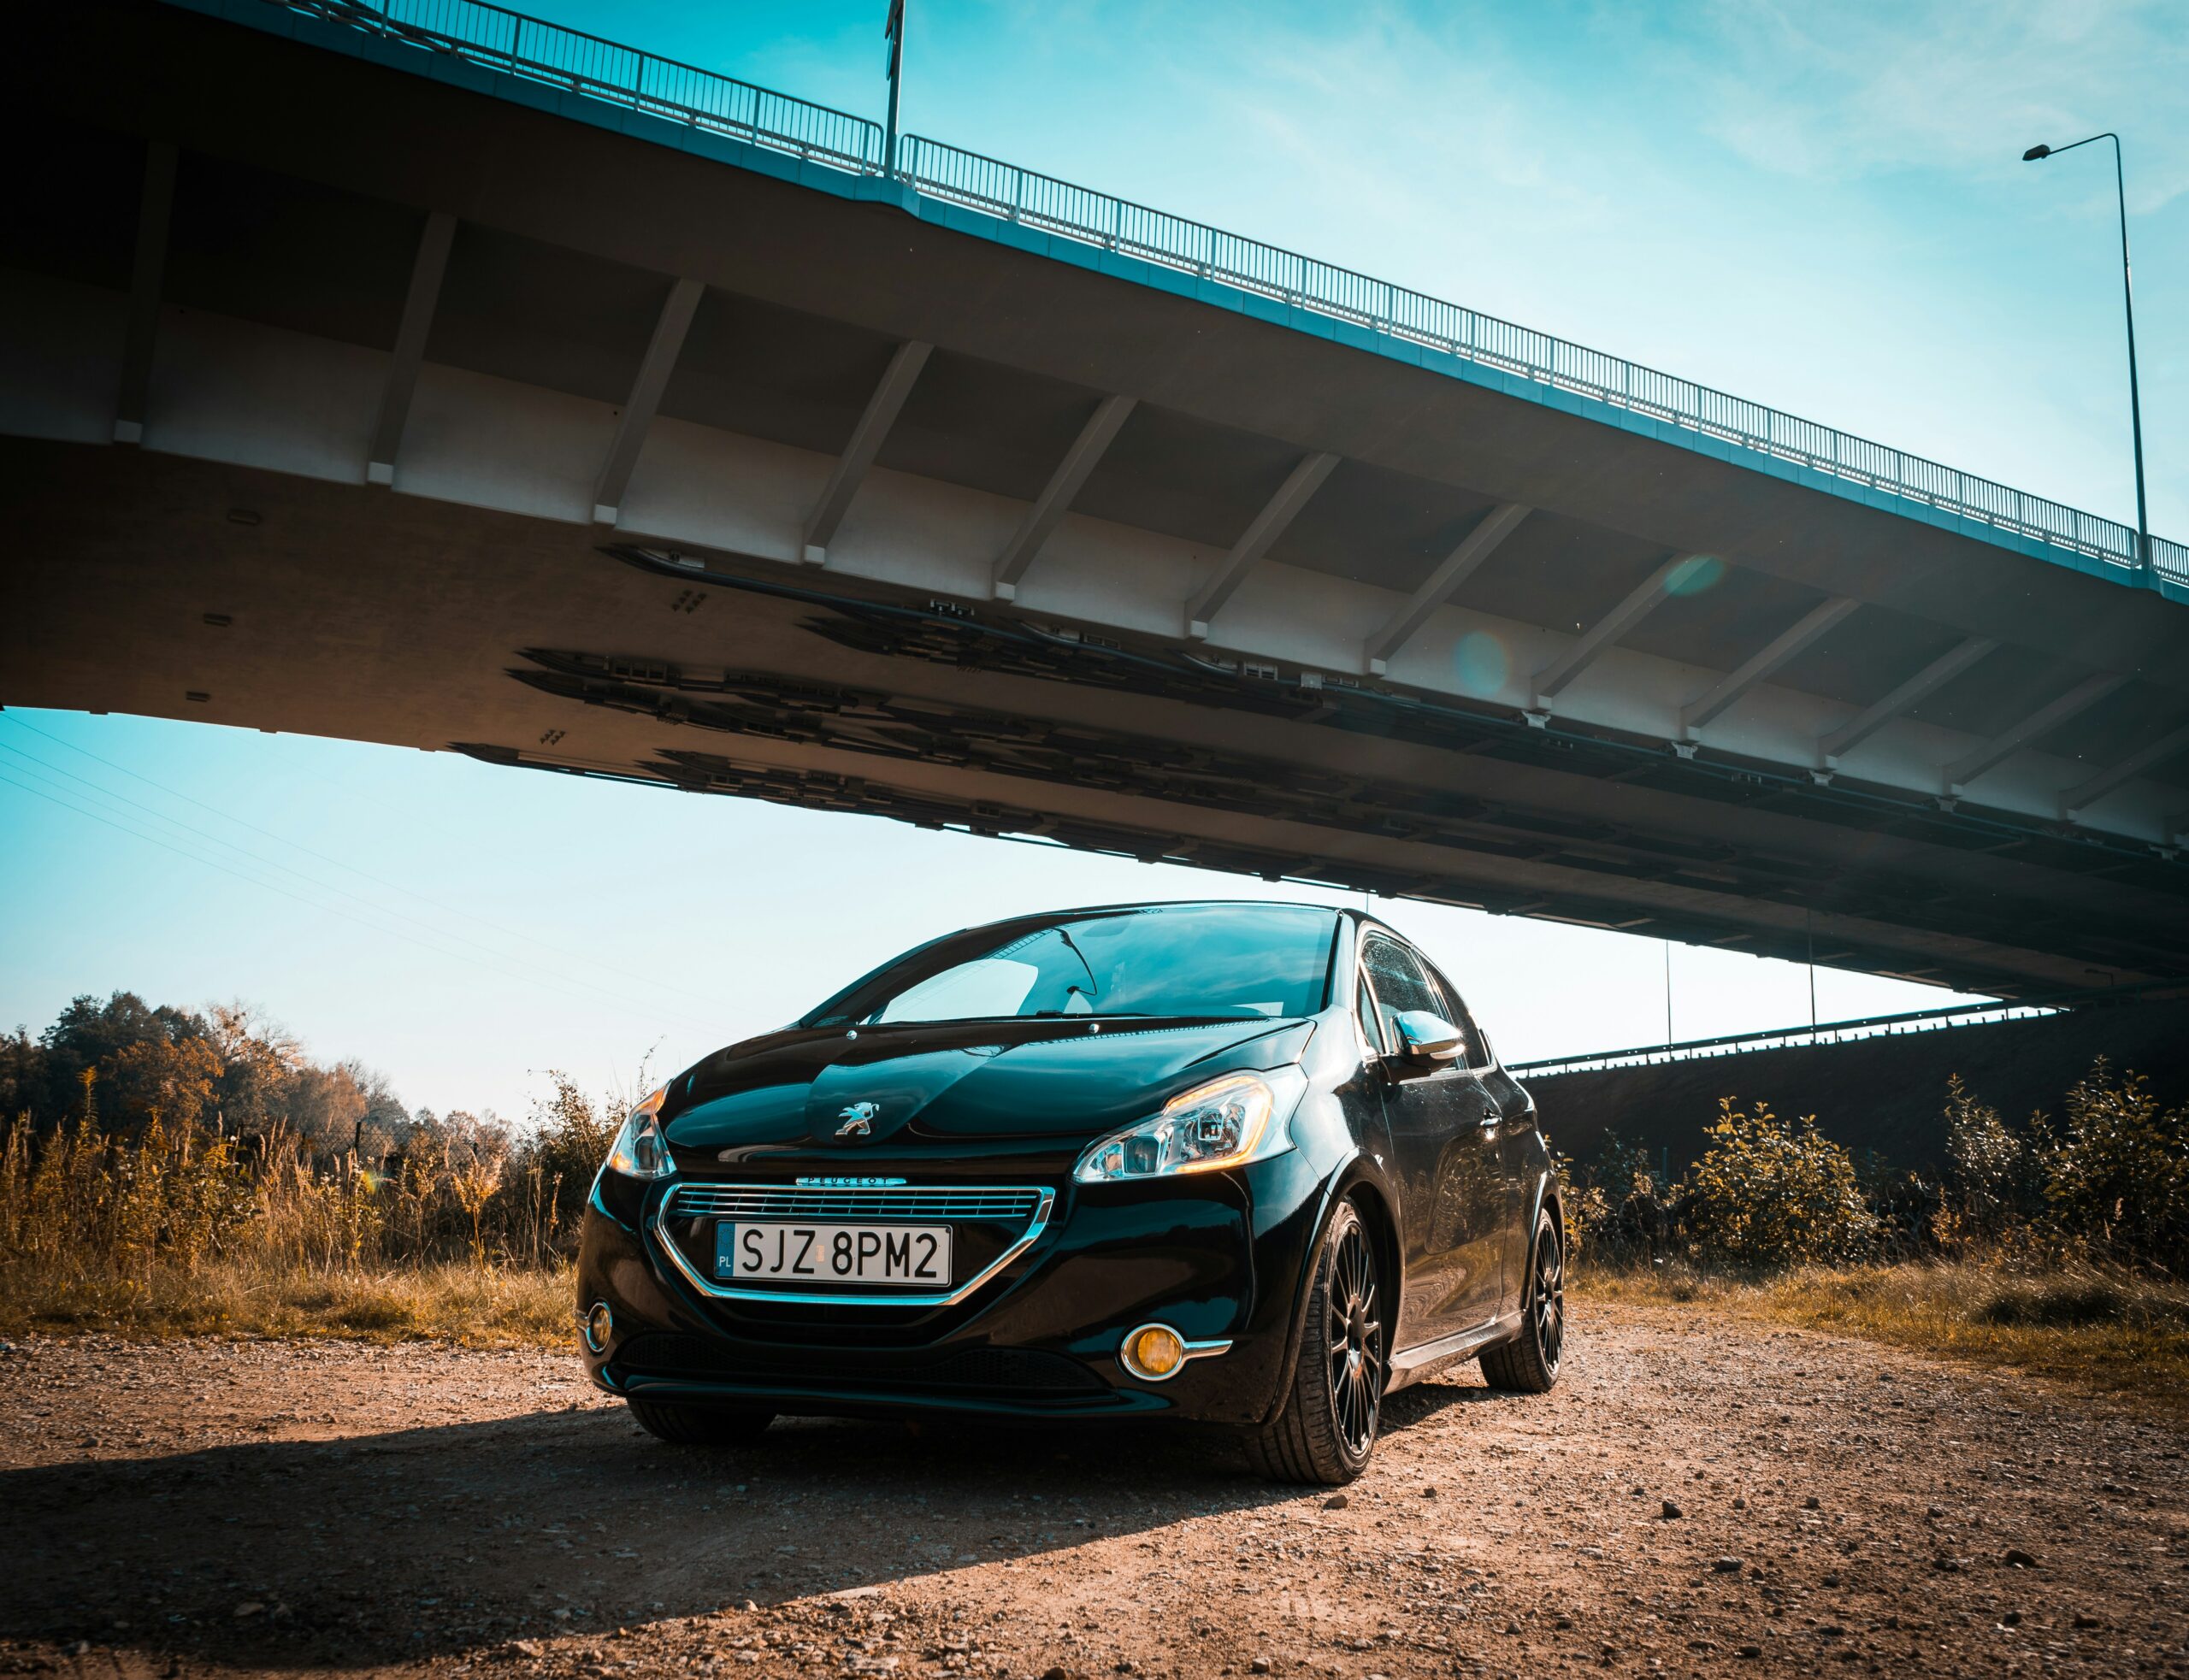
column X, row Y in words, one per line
column 1250, row 1164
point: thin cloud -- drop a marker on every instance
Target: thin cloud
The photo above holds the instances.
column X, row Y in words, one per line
column 1845, row 92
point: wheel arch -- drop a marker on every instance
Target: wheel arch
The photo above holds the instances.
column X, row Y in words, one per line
column 1381, row 1220
column 1353, row 1183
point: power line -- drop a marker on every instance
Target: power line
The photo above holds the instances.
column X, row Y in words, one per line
column 533, row 978
column 311, row 852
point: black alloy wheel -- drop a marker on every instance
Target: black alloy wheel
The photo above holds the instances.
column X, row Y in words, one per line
column 1326, row 1428
column 1356, row 1339
column 1528, row 1364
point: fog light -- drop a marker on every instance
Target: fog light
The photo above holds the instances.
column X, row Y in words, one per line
column 599, row 1325
column 1153, row 1352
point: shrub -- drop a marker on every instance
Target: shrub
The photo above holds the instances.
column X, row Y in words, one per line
column 2117, row 1177
column 1769, row 1193
column 1995, row 1175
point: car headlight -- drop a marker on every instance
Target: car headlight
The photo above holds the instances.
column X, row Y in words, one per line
column 639, row 1150
column 1241, row 1118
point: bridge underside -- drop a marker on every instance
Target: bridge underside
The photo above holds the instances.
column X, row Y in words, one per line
column 450, row 423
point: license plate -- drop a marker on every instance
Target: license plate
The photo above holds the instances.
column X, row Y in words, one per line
column 909, row 1256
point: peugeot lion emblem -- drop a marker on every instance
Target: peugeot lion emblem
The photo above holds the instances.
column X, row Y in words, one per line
column 859, row 1120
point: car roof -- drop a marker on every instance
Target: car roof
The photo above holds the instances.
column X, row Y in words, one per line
column 1140, row 906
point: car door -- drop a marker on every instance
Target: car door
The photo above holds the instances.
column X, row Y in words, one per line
column 1517, row 1150
column 1452, row 1186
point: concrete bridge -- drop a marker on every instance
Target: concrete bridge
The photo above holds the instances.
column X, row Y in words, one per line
column 434, row 376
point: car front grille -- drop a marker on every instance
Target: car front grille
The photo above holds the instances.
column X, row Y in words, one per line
column 992, row 1225
column 994, row 1370
column 891, row 1203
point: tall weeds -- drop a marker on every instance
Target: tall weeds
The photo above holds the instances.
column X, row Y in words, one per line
column 115, row 1216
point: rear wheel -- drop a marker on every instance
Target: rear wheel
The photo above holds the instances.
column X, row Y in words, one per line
column 1528, row 1364
column 701, row 1426
column 1326, row 1428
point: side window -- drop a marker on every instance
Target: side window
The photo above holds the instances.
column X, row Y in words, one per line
column 1400, row 983
column 1455, row 1011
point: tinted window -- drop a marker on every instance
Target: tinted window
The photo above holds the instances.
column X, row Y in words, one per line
column 1400, row 985
column 1455, row 1011
column 1243, row 960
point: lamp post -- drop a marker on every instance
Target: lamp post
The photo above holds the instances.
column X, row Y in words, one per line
column 893, row 31
column 2128, row 302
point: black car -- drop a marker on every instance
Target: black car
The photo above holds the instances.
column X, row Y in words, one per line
column 1249, row 1164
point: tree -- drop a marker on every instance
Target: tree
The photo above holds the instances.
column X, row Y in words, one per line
column 164, row 1082
column 324, row 1107
column 89, row 1032
column 259, row 1059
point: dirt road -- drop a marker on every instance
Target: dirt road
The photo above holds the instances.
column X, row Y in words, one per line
column 1700, row 1495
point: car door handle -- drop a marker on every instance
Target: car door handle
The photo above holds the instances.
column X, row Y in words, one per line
column 1489, row 1118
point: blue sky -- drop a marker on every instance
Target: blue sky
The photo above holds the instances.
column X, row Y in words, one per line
column 1819, row 207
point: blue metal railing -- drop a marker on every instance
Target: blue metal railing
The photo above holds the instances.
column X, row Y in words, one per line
column 519, row 45
column 509, row 41
column 1982, row 1013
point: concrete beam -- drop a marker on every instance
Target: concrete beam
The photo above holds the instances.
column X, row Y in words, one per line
column 2041, row 723
column 2170, row 746
column 1730, row 687
column 1607, row 630
column 1049, row 507
column 662, row 349
column 426, row 269
column 155, row 211
column 1265, row 528
column 867, row 440
column 1879, row 713
column 1477, row 546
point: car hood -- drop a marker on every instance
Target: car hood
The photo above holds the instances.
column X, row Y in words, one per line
column 979, row 1079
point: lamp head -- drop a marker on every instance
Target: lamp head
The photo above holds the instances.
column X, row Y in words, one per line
column 2036, row 152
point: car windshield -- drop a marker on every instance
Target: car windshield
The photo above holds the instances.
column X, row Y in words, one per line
column 1245, row 960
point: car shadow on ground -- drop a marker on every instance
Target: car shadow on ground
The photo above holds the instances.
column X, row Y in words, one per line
column 418, row 1542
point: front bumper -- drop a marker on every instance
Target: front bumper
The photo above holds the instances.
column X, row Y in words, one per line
column 1217, row 1257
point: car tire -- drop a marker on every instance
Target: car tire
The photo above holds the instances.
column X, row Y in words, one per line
column 701, row 1426
column 1325, row 1429
column 1528, row 1364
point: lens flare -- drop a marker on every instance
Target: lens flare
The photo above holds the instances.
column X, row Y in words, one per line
column 1480, row 664
column 1694, row 574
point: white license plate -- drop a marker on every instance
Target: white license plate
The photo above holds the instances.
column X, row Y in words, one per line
column 911, row 1256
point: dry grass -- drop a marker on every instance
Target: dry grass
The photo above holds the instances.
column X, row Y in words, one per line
column 472, row 1305
column 2102, row 1330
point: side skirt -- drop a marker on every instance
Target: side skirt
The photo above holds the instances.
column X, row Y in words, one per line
column 1432, row 1357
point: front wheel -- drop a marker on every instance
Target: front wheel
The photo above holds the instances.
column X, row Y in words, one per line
column 1325, row 1429
column 701, row 1426
column 1528, row 1364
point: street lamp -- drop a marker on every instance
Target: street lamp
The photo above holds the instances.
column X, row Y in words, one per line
column 2129, row 301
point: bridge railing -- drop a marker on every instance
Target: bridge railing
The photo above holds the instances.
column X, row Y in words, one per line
column 1025, row 196
column 1980, row 1013
column 510, row 41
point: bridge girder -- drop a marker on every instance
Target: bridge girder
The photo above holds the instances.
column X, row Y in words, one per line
column 683, row 352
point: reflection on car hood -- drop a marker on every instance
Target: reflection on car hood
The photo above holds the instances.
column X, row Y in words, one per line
column 970, row 1079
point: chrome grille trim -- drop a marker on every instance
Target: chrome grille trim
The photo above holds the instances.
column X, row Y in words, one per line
column 1032, row 1203
column 881, row 1202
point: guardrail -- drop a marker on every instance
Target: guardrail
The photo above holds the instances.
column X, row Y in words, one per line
column 587, row 64
column 539, row 51
column 1014, row 194
column 1845, row 1032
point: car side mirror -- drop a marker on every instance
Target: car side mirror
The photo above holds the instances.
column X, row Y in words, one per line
column 1427, row 1039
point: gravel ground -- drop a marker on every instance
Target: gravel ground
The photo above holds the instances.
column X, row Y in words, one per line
column 1700, row 1495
